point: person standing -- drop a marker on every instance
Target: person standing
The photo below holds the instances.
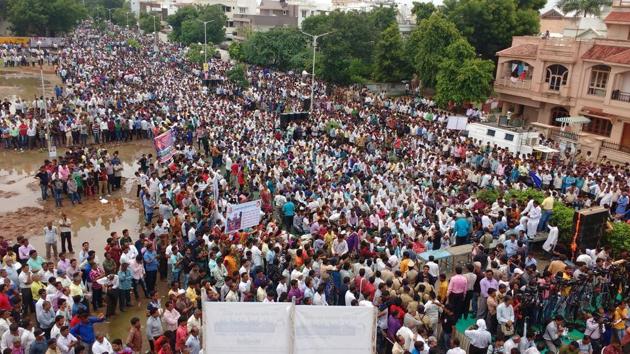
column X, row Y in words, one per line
column 150, row 267
column 50, row 239
column 124, row 286
column 193, row 344
column 154, row 327
column 134, row 339
column 456, row 293
column 66, row 232
column 479, row 337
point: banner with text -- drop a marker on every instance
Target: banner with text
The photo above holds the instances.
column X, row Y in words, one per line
column 284, row 328
column 165, row 146
column 242, row 216
column 247, row 327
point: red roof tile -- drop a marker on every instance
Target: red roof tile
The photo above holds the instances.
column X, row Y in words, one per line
column 608, row 53
column 523, row 50
column 618, row 16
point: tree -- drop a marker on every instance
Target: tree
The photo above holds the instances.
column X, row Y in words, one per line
column 108, row 4
column 188, row 27
column 149, row 23
column 489, row 25
column 124, row 17
column 44, row 17
column 176, row 20
column 426, row 47
column 196, row 55
column 423, row 10
column 389, row 57
column 236, row 51
column 237, row 75
column 463, row 77
column 347, row 53
column 583, row 8
column 274, row 48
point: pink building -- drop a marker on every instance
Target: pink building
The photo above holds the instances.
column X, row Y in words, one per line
column 541, row 79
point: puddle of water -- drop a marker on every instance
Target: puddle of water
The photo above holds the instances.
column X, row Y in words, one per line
column 24, row 213
column 25, row 84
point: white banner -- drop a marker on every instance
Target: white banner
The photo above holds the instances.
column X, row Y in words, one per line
column 247, row 327
column 335, row 329
column 457, row 123
column 242, row 216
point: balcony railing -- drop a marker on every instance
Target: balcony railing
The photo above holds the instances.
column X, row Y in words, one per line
column 517, row 84
column 617, row 147
column 620, row 96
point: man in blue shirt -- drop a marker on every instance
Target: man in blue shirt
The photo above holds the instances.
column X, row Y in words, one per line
column 288, row 210
column 462, row 229
column 151, row 267
column 124, row 286
column 85, row 329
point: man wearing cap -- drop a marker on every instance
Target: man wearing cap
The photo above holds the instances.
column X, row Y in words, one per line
column 39, row 346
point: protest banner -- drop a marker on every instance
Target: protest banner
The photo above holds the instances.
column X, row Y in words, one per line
column 164, row 146
column 242, row 216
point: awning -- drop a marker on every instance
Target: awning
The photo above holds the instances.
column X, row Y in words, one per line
column 544, row 149
column 573, row 120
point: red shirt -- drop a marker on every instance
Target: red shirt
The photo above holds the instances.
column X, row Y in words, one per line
column 5, row 304
column 180, row 337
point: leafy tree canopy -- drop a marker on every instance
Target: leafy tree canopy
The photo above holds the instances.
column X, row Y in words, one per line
column 390, row 64
column 583, row 7
column 44, row 17
column 188, row 25
column 426, row 46
column 490, row 24
column 149, row 23
column 423, row 10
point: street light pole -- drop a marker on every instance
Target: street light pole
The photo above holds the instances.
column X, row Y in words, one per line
column 154, row 33
column 315, row 38
column 205, row 40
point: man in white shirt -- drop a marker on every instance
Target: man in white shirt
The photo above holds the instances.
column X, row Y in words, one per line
column 66, row 232
column 102, row 345
column 513, row 342
column 455, row 348
column 50, row 239
column 66, row 342
column 282, row 287
column 505, row 314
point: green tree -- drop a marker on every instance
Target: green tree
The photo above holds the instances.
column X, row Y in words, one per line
column 188, row 27
column 108, row 4
column 426, row 46
column 347, row 53
column 44, row 17
column 176, row 20
column 423, row 10
column 583, row 7
column 389, row 57
column 149, row 23
column 489, row 25
column 237, row 75
column 236, row 51
column 196, row 54
column 274, row 48
column 123, row 17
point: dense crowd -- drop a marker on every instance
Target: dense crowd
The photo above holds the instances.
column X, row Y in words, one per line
column 352, row 198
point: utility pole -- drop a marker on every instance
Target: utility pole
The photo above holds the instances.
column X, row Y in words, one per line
column 155, row 34
column 205, row 41
column 109, row 12
column 315, row 38
column 48, row 142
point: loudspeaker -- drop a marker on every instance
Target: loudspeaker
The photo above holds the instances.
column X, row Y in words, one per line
column 589, row 225
column 306, row 105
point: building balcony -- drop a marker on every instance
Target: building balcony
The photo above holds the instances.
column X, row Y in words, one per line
column 620, row 96
column 516, row 84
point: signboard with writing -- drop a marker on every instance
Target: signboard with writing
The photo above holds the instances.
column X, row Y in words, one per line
column 165, row 146
column 242, row 216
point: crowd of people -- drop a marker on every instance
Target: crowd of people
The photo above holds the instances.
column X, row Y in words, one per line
column 352, row 196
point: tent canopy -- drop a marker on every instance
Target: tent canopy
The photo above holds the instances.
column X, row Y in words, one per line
column 573, row 120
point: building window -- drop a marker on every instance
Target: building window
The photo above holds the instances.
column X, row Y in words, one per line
column 242, row 10
column 598, row 126
column 284, row 12
column 556, row 76
column 509, row 137
column 599, row 79
column 490, row 132
column 303, row 13
column 558, row 112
